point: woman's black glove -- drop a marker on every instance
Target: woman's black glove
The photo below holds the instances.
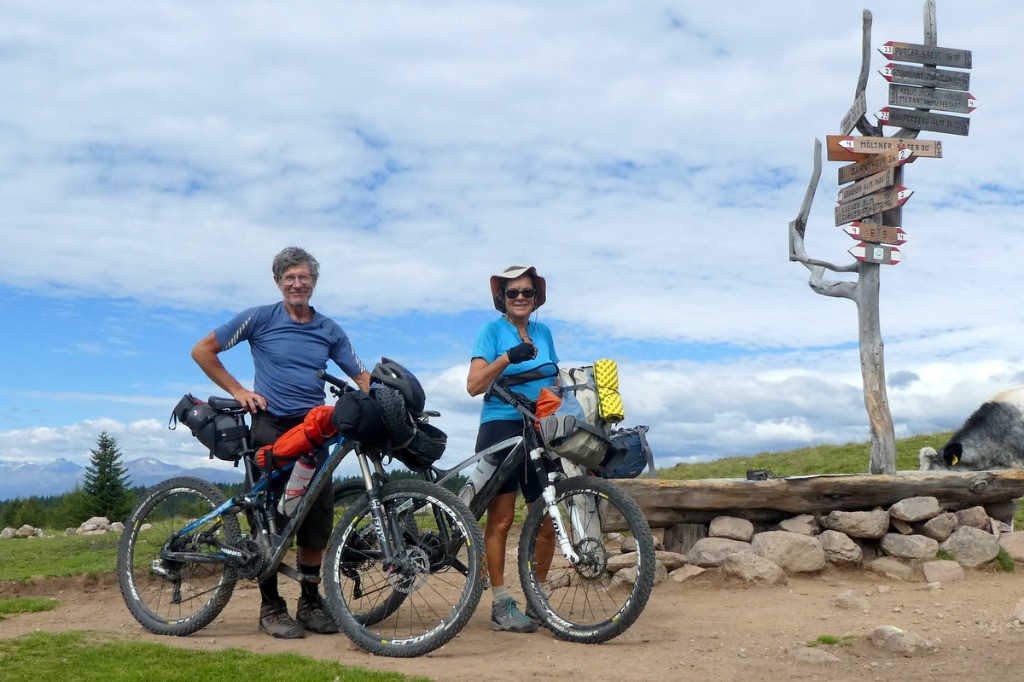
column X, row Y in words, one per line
column 521, row 353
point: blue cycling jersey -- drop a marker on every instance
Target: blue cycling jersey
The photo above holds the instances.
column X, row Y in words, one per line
column 496, row 337
column 287, row 355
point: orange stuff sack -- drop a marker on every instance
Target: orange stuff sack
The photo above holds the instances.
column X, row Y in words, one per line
column 548, row 403
column 315, row 428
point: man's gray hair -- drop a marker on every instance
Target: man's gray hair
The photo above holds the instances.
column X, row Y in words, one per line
column 292, row 256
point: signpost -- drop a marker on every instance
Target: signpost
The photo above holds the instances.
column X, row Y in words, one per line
column 925, row 75
column 869, row 185
column 875, row 233
column 859, row 108
column 926, row 54
column 924, row 120
column 855, row 148
column 875, row 163
column 925, row 84
column 872, row 204
column 930, row 98
column 876, row 253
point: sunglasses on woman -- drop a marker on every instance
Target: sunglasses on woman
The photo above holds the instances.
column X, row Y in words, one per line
column 512, row 294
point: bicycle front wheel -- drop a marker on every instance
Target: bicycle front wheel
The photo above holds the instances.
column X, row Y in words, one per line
column 166, row 596
column 421, row 597
column 582, row 601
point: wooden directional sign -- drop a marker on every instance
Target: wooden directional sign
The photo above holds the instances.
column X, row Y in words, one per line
column 855, row 113
column 874, row 164
column 925, row 75
column 872, row 204
column 854, row 148
column 926, row 54
column 876, row 253
column 869, row 185
column 930, row 98
column 875, row 233
column 924, row 120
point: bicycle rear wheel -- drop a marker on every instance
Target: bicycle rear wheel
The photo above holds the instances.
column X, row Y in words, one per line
column 420, row 600
column 173, row 597
column 582, row 602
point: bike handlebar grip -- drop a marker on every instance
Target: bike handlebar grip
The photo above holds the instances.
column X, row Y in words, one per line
column 332, row 380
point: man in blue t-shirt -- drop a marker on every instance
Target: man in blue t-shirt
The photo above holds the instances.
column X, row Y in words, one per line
column 290, row 342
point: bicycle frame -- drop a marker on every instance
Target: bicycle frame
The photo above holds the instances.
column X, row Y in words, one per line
column 528, row 450
column 259, row 502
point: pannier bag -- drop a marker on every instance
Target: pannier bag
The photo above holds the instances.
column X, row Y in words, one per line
column 223, row 434
column 569, row 418
column 629, row 454
column 315, row 429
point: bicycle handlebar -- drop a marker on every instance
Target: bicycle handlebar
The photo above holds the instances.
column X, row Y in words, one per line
column 500, row 388
column 334, row 381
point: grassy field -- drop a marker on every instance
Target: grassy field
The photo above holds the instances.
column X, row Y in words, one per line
column 851, row 458
column 87, row 657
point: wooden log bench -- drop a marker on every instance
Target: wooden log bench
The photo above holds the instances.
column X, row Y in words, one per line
column 670, row 502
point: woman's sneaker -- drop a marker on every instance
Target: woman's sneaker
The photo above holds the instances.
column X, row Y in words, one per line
column 505, row 615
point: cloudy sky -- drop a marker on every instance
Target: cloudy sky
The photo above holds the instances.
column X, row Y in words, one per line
column 647, row 157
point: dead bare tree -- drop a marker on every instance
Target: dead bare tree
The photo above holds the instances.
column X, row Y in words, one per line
column 864, row 291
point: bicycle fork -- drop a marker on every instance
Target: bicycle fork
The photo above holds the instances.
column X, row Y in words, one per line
column 550, row 506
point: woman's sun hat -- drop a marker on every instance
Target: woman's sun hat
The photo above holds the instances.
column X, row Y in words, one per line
column 510, row 273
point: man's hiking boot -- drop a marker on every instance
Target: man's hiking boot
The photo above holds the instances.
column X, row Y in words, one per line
column 314, row 616
column 505, row 615
column 275, row 621
column 531, row 614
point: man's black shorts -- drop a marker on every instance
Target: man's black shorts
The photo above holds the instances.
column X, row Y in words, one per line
column 315, row 529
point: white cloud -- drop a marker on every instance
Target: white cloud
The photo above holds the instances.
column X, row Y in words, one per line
column 647, row 158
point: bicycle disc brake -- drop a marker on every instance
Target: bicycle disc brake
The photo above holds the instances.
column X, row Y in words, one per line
column 411, row 571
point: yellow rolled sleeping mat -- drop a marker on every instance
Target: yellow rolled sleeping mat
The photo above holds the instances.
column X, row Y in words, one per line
column 606, row 378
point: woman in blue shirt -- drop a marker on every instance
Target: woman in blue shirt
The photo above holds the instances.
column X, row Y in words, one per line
column 511, row 344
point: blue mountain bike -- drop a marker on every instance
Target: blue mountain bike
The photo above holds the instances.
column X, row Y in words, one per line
column 402, row 571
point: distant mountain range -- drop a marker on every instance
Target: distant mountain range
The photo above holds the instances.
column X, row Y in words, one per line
column 25, row 479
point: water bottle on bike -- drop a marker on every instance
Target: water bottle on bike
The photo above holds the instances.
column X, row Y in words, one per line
column 298, row 482
column 481, row 473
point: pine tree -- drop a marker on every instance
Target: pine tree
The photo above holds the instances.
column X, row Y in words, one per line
column 106, row 484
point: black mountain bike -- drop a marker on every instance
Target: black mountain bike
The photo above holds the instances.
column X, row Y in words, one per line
column 402, row 571
column 578, row 599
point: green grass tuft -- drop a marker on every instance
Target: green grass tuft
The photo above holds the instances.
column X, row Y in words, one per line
column 25, row 605
column 832, row 640
column 1004, row 562
column 91, row 657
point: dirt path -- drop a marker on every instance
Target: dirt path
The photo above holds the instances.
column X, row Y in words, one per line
column 706, row 628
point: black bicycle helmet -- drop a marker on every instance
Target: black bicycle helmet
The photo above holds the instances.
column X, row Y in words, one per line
column 393, row 375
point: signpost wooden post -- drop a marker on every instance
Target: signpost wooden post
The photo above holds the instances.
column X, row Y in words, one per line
column 925, row 75
column 930, row 98
column 881, row 254
column 871, row 204
column 869, row 185
column 924, row 120
column 874, row 164
column 854, row 148
column 871, row 207
column 875, row 233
